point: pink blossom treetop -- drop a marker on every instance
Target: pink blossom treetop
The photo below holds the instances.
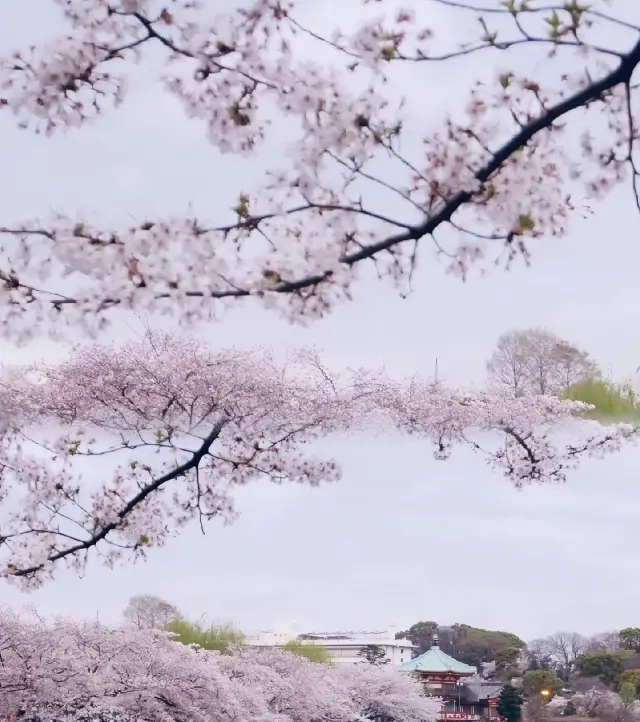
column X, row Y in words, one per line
column 361, row 177
column 114, row 450
column 67, row 671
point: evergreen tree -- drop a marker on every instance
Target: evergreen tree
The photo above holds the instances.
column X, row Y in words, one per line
column 374, row 654
column 510, row 704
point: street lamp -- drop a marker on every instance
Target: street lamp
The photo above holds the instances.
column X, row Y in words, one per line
column 545, row 692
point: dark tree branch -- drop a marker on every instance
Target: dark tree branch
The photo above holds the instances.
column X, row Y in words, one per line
column 622, row 74
column 132, row 504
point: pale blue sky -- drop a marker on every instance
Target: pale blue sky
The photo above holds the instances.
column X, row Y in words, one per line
column 402, row 537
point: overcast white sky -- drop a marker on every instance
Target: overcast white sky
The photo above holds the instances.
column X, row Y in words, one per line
column 402, row 538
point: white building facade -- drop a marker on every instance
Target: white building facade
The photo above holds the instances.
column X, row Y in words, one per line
column 344, row 647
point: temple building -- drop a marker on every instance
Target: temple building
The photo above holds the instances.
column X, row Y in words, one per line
column 466, row 696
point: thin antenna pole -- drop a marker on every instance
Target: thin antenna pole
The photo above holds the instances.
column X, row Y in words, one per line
column 435, row 375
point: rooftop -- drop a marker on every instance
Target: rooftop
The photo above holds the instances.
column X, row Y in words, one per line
column 435, row 660
column 331, row 639
column 478, row 691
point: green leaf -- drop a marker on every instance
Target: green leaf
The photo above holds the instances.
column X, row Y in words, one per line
column 554, row 20
column 242, row 209
column 526, row 223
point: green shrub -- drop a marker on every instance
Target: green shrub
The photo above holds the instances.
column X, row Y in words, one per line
column 612, row 401
column 313, row 652
column 218, row 637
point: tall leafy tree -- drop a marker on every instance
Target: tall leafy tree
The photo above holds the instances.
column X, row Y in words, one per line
column 506, row 662
column 420, row 634
column 374, row 654
column 607, row 666
column 467, row 644
column 630, row 638
column 510, row 704
column 475, row 646
column 535, row 681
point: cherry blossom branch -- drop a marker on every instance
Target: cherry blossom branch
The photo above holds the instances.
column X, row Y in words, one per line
column 593, row 92
column 621, row 75
column 496, row 180
column 158, row 394
column 129, row 507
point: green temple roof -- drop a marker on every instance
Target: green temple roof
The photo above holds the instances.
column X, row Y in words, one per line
column 435, row 660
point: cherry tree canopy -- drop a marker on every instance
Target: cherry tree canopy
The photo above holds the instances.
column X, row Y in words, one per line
column 182, row 426
column 69, row 672
column 482, row 187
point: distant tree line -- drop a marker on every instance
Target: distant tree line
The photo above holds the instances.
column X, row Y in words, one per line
column 608, row 662
column 564, row 660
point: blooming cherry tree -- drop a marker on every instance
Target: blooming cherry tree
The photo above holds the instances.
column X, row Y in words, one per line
column 607, row 705
column 83, row 672
column 482, row 188
column 114, row 450
column 555, row 706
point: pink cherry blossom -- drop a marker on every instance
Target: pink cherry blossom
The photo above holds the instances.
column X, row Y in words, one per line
column 114, row 450
column 65, row 671
column 483, row 187
column 594, row 701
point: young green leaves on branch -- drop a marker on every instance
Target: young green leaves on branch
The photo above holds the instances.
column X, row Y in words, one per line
column 351, row 182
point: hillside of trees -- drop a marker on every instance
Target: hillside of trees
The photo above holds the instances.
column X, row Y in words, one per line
column 467, row 644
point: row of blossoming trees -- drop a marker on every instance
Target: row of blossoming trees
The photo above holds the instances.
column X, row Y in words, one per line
column 186, row 425
column 74, row 672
